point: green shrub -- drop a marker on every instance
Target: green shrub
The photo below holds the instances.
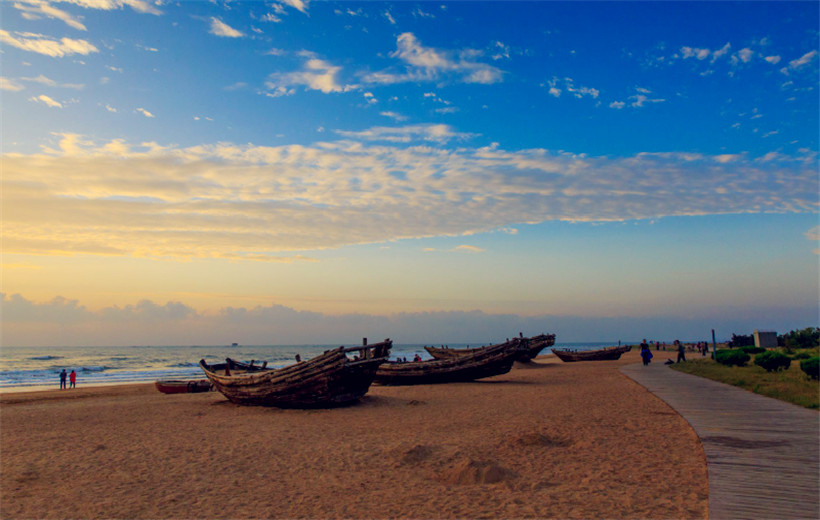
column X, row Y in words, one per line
column 811, row 367
column 741, row 341
column 804, row 338
column 731, row 357
column 801, row 355
column 773, row 361
column 751, row 349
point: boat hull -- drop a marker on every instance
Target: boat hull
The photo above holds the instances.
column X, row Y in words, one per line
column 331, row 379
column 484, row 362
column 536, row 345
column 530, row 348
column 606, row 354
column 183, row 387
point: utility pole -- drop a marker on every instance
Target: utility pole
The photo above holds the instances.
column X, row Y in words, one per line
column 714, row 345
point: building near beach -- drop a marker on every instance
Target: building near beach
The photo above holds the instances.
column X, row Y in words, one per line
column 765, row 338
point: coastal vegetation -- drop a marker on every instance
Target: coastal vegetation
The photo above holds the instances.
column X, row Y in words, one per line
column 732, row 357
column 772, row 372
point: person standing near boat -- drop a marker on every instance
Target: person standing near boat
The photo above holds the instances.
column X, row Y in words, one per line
column 72, row 379
column 62, row 379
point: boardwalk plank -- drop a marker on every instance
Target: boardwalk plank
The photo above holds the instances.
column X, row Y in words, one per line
column 762, row 455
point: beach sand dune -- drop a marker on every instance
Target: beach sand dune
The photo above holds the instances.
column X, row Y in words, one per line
column 551, row 440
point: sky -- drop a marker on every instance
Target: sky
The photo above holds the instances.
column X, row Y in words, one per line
column 279, row 172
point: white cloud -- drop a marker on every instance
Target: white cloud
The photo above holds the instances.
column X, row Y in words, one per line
column 138, row 5
column 691, row 52
column 390, row 17
column 145, row 112
column 701, row 53
column 316, row 74
column 745, row 55
column 568, row 85
column 727, row 158
column 429, row 64
column 10, row 85
column 46, row 101
column 405, row 134
column 418, row 13
column 803, row 60
column 502, row 51
column 220, row 28
column 469, row 249
column 774, row 60
column 639, row 100
column 43, row 80
column 35, row 9
column 299, row 5
column 46, row 45
column 721, row 52
column 393, row 115
column 231, row 200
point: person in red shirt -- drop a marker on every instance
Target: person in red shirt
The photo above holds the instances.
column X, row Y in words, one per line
column 72, row 379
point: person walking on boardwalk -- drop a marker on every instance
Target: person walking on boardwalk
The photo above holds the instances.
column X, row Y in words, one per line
column 681, row 351
column 62, row 379
column 72, row 379
column 646, row 354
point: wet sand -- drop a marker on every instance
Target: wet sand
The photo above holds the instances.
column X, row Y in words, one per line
column 547, row 440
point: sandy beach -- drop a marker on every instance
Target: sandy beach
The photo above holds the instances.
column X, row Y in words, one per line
column 547, row 440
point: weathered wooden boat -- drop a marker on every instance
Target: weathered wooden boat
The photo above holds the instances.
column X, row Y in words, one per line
column 536, row 345
column 533, row 346
column 183, row 387
column 480, row 363
column 330, row 379
column 603, row 354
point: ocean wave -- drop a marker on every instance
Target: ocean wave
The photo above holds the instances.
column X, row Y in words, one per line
column 44, row 358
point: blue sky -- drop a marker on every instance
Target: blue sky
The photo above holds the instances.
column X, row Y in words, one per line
column 559, row 163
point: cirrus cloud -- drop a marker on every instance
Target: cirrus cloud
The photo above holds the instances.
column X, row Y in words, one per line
column 237, row 200
column 220, row 28
column 430, row 64
column 46, row 45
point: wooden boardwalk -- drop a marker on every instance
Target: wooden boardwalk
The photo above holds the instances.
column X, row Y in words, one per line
column 762, row 455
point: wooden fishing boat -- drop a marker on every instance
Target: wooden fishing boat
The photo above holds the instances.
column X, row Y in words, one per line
column 183, row 387
column 533, row 347
column 330, row 379
column 536, row 345
column 603, row 354
column 480, row 363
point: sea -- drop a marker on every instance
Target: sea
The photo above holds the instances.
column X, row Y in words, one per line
column 38, row 368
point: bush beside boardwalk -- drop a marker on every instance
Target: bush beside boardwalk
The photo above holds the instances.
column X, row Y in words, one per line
column 791, row 385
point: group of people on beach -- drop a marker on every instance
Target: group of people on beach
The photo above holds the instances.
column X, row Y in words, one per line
column 646, row 353
column 72, row 379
